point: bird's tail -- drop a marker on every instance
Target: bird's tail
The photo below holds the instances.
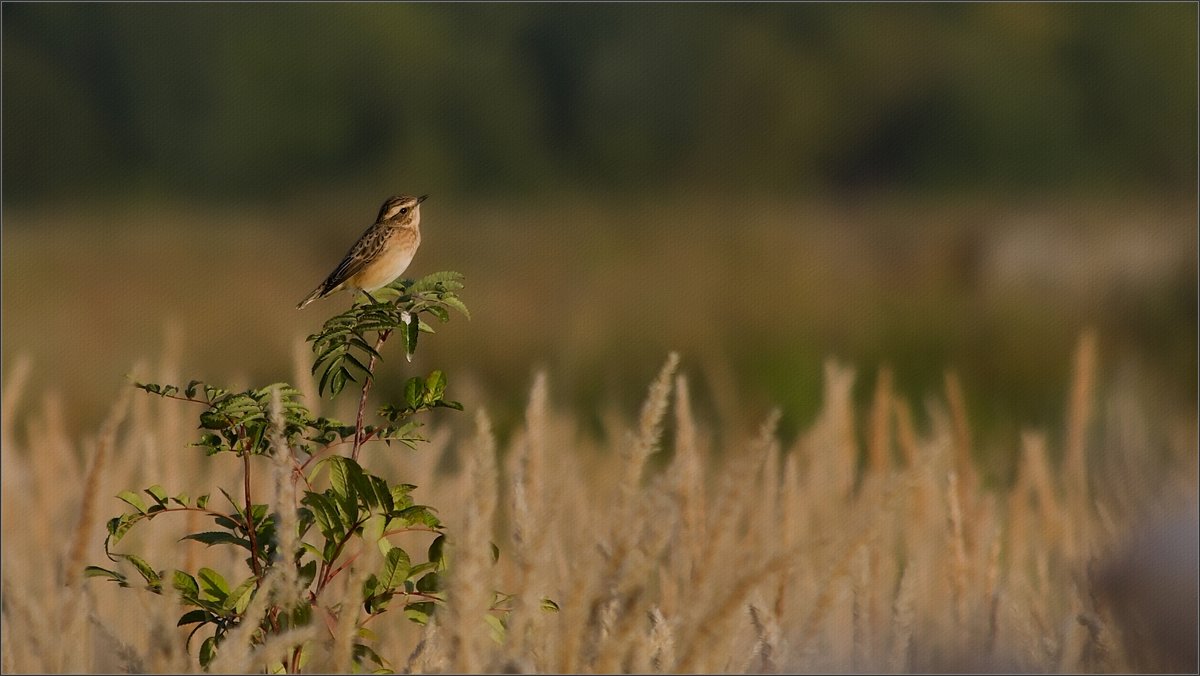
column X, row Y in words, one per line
column 317, row 293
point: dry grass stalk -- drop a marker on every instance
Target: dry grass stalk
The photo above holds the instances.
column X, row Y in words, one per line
column 831, row 442
column 470, row 582
column 879, row 448
column 1037, row 467
column 645, row 443
column 905, row 431
column 662, row 642
column 766, row 631
column 1079, row 418
column 849, row 579
column 903, row 619
column 687, row 471
column 959, row 416
column 18, row 377
column 86, row 524
column 959, row 582
column 286, row 499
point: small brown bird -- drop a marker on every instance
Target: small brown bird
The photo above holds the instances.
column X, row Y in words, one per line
column 381, row 254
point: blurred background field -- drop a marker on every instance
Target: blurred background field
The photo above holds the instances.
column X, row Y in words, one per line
column 928, row 187
column 950, row 194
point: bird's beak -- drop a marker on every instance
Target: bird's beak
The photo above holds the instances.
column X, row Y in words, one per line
column 422, row 198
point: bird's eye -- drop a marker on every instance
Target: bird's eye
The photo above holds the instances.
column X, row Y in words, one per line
column 404, row 210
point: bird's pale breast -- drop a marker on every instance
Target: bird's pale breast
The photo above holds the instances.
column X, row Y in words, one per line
column 391, row 262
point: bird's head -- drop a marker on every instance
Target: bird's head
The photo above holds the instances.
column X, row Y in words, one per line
column 401, row 210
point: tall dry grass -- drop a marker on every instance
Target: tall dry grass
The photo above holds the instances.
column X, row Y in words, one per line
column 730, row 556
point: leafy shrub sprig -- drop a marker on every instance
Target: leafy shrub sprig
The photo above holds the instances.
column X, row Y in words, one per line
column 338, row 500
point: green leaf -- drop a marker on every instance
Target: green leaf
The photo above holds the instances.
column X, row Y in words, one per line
column 419, row 514
column 549, row 605
column 213, row 584
column 497, row 627
column 435, row 386
column 437, row 552
column 419, row 612
column 134, row 500
column 326, row 515
column 208, row 650
column 374, row 492
column 193, row 617
column 362, row 653
column 239, row 598
column 413, row 389
column 341, row 475
column 431, row 582
column 307, row 573
column 202, row 501
column 373, row 529
column 214, row 420
column 395, row 571
column 111, row 575
column 218, row 537
column 439, row 312
column 186, row 585
column 454, row 302
column 153, row 579
column 410, row 336
column 120, row 525
column 158, row 493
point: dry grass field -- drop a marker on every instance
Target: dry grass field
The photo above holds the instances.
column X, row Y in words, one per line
column 826, row 478
column 724, row 557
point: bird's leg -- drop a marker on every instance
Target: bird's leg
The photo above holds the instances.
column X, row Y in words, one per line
column 369, row 296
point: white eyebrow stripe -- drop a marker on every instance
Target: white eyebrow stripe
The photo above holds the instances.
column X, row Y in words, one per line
column 393, row 210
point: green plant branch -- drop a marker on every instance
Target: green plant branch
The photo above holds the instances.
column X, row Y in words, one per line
column 325, row 576
column 250, row 515
column 237, row 422
column 359, row 438
column 411, row 530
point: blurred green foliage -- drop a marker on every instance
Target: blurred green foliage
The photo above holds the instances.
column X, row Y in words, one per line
column 254, row 100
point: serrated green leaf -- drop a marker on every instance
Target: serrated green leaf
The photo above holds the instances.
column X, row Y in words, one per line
column 218, row 537
column 151, row 576
column 454, row 302
column 186, row 585
column 111, row 575
column 435, row 386
column 395, row 570
column 413, row 389
column 213, row 584
column 440, row 312
column 421, row 514
column 239, row 598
